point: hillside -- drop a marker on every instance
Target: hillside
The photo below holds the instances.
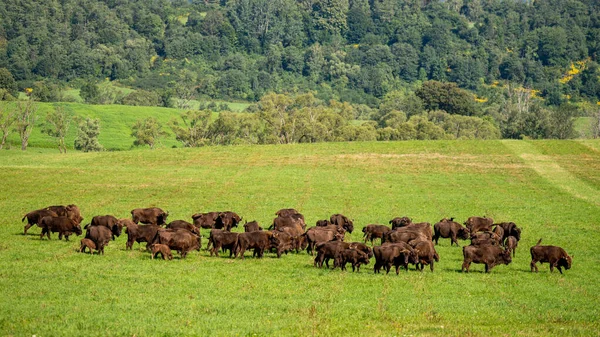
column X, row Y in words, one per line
column 549, row 188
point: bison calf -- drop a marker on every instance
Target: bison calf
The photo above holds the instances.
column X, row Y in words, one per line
column 355, row 257
column 554, row 255
column 163, row 250
column 87, row 243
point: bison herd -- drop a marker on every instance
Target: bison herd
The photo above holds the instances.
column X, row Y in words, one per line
column 404, row 242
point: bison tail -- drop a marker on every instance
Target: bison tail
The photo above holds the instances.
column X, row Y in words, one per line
column 539, row 241
column 25, row 216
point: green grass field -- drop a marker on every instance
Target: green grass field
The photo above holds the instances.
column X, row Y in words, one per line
column 549, row 188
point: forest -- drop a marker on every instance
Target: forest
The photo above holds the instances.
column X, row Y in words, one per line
column 318, row 70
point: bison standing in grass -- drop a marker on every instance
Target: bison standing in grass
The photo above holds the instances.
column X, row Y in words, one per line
column 554, row 255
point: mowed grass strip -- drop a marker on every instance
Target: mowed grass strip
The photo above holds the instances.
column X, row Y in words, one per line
column 50, row 289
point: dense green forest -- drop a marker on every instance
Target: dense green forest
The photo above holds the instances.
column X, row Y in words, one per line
column 412, row 69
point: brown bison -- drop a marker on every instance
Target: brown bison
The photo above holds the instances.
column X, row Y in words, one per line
column 510, row 229
column 161, row 249
column 282, row 242
column 182, row 224
column 373, row 231
column 259, row 241
column 35, row 218
column 342, row 221
column 448, row 228
column 355, row 257
column 70, row 211
column 181, row 240
column 110, row 222
column 205, row 220
column 290, row 221
column 484, row 238
column 286, row 212
column 140, row 233
column 220, row 239
column 151, row 216
column 479, row 224
column 554, row 255
column 393, row 254
column 488, row 255
column 323, row 223
column 426, row 254
column 317, row 235
column 398, row 222
column 511, row 243
column 100, row 235
column 87, row 243
column 252, row 226
column 63, row 225
column 227, row 220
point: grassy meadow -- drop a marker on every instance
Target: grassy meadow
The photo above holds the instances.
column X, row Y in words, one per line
column 549, row 188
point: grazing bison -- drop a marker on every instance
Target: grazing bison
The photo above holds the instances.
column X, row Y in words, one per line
column 479, row 224
column 181, row 240
column 205, row 220
column 398, row 222
column 100, row 235
column 110, row 222
column 181, row 224
column 426, row 254
column 342, row 221
column 554, row 255
column 328, row 250
column 259, row 241
column 448, row 228
column 140, row 233
column 63, row 225
column 353, row 256
column 35, row 218
column 152, row 216
column 220, row 239
column 161, row 249
column 87, row 243
column 252, row 226
column 488, row 255
column 373, row 231
column 227, row 220
column 511, row 243
column 317, row 235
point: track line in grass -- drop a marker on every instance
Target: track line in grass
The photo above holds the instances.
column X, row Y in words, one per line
column 547, row 168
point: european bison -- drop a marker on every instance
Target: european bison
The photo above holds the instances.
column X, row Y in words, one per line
column 100, row 235
column 152, row 216
column 353, row 256
column 227, row 220
column 484, row 238
column 35, row 218
column 398, row 222
column 396, row 255
column 323, row 223
column 282, row 242
column 554, row 255
column 488, row 255
column 479, row 224
column 511, row 243
column 260, row 241
column 110, row 222
column 63, row 225
column 181, row 240
column 252, row 226
column 140, row 233
column 373, row 231
column 220, row 239
column 87, row 243
column 329, row 250
column 404, row 235
column 285, row 212
column 510, row 229
column 448, row 228
column 426, row 254
column 290, row 221
column 181, row 224
column 316, row 235
column 205, row 220
column 161, row 249
column 70, row 211
column 342, row 221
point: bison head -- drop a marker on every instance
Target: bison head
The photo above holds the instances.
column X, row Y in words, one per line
column 463, row 233
column 506, row 256
column 77, row 229
column 565, row 262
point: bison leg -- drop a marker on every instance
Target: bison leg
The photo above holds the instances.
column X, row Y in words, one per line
column 465, row 266
column 559, row 269
column 533, row 266
column 26, row 228
column 431, row 266
column 551, row 267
